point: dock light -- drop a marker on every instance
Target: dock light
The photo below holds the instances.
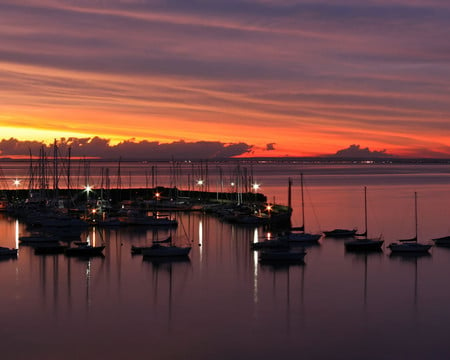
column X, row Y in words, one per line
column 200, row 182
column 16, row 183
column 269, row 209
column 88, row 189
column 232, row 184
column 255, row 187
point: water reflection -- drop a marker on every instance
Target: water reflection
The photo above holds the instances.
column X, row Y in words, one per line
column 412, row 259
column 363, row 257
column 223, row 297
column 255, row 267
column 168, row 284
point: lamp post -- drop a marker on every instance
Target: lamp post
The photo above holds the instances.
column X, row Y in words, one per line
column 16, row 183
column 200, row 183
column 88, row 189
column 255, row 188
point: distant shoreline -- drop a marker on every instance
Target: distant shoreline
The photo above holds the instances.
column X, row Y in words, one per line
column 322, row 160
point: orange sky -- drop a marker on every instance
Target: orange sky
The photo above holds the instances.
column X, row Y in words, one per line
column 309, row 79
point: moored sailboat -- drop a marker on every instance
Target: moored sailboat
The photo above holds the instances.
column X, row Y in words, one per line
column 410, row 245
column 364, row 244
column 298, row 235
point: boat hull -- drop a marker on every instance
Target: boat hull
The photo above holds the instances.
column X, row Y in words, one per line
column 7, row 252
column 409, row 247
column 301, row 237
column 340, row 233
column 165, row 251
column 442, row 241
column 364, row 245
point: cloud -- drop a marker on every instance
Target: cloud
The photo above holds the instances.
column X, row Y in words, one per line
column 356, row 152
column 97, row 147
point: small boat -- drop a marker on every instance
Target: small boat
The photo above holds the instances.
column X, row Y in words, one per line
column 340, row 233
column 137, row 250
column 84, row 250
column 7, row 252
column 37, row 239
column 158, row 250
column 442, row 241
column 365, row 244
column 300, row 237
column 282, row 255
column 410, row 245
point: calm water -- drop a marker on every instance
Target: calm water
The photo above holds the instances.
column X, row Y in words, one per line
column 223, row 304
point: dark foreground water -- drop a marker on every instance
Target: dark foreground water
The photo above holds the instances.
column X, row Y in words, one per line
column 223, row 304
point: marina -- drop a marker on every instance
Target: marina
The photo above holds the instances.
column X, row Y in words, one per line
column 225, row 298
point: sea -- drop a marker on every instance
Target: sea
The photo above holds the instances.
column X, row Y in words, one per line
column 221, row 302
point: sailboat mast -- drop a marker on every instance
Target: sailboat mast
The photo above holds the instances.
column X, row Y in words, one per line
column 289, row 193
column 415, row 211
column 303, row 201
column 365, row 209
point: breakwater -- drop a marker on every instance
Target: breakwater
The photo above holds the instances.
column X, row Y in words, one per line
column 158, row 194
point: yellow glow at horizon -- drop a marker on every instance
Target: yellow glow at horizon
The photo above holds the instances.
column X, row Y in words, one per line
column 40, row 135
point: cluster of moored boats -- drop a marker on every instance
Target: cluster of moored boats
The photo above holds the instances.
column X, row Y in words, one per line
column 54, row 232
column 291, row 246
column 280, row 247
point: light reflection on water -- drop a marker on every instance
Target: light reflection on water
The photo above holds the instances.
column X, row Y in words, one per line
column 222, row 303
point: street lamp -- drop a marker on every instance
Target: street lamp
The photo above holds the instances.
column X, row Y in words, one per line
column 88, row 189
column 255, row 187
column 16, row 183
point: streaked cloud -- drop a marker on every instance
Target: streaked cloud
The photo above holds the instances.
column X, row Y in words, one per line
column 311, row 77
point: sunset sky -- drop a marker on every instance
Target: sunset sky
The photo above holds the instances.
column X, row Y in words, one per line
column 297, row 78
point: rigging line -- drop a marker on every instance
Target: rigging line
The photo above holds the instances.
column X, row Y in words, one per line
column 308, row 195
column 185, row 232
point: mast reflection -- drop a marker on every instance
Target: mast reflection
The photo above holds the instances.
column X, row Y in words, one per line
column 166, row 283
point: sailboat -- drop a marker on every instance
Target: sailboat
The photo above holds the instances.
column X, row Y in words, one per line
column 410, row 245
column 135, row 250
column 162, row 250
column 364, row 244
column 341, row 233
column 298, row 235
column 158, row 250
